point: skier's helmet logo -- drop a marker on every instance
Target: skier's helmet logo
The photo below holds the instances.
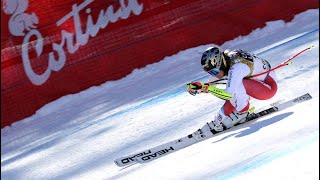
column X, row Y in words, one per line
column 211, row 58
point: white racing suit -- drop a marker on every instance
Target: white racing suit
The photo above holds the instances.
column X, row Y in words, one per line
column 241, row 86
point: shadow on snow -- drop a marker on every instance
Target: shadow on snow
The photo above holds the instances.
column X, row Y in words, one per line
column 254, row 127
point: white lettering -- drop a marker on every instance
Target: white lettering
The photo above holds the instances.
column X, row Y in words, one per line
column 57, row 58
column 34, row 78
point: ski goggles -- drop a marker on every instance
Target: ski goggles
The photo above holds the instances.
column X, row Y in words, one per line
column 213, row 72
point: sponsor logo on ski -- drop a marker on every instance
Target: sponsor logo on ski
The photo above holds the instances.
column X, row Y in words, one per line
column 302, row 98
column 156, row 154
column 130, row 159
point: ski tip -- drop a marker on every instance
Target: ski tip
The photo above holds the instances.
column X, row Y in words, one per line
column 309, row 95
column 117, row 163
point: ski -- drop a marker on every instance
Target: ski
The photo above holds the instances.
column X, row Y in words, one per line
column 200, row 135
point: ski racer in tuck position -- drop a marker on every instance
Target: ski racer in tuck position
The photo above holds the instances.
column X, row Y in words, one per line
column 240, row 67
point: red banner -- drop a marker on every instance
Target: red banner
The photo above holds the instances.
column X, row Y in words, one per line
column 53, row 48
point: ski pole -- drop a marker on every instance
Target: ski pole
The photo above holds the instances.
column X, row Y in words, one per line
column 285, row 63
column 218, row 81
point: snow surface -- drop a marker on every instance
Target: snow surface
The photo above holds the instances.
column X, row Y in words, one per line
column 78, row 136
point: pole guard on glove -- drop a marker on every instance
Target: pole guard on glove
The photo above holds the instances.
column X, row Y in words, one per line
column 196, row 88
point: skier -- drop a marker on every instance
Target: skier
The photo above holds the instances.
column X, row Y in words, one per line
column 240, row 67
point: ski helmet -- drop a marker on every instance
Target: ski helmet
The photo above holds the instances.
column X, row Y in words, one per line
column 213, row 58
